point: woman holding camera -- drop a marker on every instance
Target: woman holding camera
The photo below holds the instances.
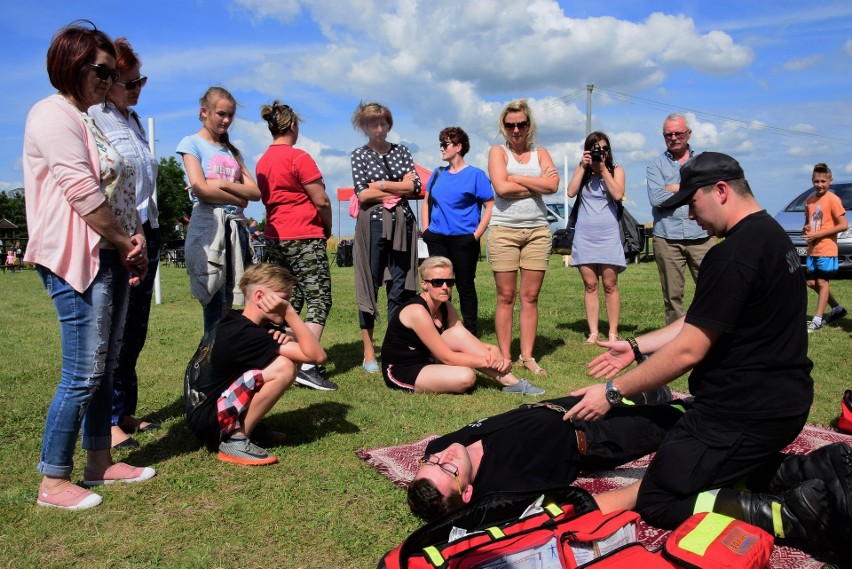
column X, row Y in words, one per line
column 597, row 251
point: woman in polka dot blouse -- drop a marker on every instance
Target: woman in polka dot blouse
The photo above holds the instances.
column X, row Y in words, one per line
column 385, row 244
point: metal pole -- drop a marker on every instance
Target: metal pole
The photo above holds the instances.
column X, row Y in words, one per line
column 589, row 89
column 158, row 295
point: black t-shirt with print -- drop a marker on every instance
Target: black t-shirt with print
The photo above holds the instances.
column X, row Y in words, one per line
column 231, row 348
column 752, row 290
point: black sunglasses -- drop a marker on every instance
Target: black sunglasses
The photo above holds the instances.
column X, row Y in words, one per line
column 104, row 72
column 130, row 85
column 445, row 143
column 519, row 125
column 438, row 283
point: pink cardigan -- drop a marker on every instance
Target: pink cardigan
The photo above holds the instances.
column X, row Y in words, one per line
column 61, row 184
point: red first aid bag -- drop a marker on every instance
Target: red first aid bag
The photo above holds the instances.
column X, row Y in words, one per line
column 844, row 423
column 555, row 529
column 632, row 556
column 714, row 541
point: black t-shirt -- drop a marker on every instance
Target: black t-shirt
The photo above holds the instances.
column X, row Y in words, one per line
column 231, row 348
column 523, row 449
column 752, row 290
column 402, row 346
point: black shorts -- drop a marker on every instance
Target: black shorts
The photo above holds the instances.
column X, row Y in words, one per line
column 402, row 376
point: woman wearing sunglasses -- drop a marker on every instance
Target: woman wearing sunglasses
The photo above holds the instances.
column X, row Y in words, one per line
column 456, row 211
column 123, row 128
column 88, row 247
column 597, row 251
column 519, row 236
column 427, row 349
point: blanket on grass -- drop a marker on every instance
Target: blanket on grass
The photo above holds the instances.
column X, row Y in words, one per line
column 399, row 465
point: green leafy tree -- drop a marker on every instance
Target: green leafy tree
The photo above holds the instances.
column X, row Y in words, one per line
column 12, row 207
column 172, row 199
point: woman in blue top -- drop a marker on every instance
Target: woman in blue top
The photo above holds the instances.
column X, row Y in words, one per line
column 456, row 212
column 597, row 251
column 217, row 244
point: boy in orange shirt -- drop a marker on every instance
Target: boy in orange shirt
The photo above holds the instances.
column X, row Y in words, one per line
column 824, row 219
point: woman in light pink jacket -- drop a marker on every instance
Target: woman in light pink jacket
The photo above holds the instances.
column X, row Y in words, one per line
column 88, row 247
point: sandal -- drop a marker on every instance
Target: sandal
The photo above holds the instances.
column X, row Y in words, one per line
column 614, row 337
column 532, row 365
column 592, row 338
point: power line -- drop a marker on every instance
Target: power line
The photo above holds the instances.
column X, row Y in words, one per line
column 749, row 125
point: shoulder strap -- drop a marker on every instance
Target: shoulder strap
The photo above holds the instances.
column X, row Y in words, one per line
column 575, row 211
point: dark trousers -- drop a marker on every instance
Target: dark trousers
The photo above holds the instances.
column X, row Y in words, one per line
column 463, row 251
column 398, row 263
column 704, row 452
column 125, row 391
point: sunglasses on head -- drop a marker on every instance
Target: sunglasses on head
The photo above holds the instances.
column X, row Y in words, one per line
column 519, row 125
column 130, row 85
column 104, row 72
column 438, row 283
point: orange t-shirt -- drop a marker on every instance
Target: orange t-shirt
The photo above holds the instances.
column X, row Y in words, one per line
column 820, row 213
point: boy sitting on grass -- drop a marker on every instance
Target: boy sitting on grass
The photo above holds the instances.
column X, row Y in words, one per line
column 240, row 369
column 824, row 219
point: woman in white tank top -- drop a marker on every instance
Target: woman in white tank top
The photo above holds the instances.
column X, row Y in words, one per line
column 519, row 237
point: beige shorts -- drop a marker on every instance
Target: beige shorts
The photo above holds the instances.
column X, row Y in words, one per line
column 510, row 249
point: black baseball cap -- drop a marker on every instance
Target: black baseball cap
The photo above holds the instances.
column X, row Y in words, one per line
column 702, row 170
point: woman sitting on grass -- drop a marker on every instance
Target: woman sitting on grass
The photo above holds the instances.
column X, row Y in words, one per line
column 427, row 349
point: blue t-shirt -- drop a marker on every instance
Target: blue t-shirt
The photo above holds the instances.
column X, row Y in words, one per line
column 217, row 163
column 458, row 199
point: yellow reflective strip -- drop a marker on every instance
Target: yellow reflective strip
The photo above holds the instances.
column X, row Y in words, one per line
column 705, row 533
column 679, row 407
column 434, row 556
column 495, row 532
column 553, row 509
column 627, row 402
column 777, row 522
column 704, row 502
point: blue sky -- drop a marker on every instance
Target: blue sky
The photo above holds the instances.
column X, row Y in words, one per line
column 767, row 82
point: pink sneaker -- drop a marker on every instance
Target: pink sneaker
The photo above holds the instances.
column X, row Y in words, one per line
column 72, row 498
column 118, row 472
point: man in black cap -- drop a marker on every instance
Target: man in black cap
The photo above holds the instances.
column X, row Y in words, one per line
column 743, row 341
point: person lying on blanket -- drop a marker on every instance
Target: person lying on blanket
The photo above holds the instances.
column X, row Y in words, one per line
column 743, row 341
column 532, row 448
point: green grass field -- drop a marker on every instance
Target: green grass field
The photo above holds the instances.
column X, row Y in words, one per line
column 321, row 506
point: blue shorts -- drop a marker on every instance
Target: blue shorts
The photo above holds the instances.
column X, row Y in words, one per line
column 821, row 267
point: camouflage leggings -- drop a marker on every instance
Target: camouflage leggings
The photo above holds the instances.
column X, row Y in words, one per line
column 308, row 261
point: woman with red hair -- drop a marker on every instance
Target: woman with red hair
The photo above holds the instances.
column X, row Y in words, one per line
column 88, row 246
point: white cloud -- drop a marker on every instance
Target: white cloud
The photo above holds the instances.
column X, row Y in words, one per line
column 848, row 168
column 802, row 63
column 402, row 49
column 804, row 127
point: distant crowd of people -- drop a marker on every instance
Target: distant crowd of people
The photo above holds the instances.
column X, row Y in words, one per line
column 95, row 241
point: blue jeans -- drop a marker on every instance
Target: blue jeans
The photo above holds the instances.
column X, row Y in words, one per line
column 125, row 384
column 90, row 327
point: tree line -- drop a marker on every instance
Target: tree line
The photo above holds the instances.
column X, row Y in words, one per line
column 172, row 200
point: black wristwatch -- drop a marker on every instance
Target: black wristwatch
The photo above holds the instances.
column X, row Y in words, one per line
column 613, row 395
column 634, row 345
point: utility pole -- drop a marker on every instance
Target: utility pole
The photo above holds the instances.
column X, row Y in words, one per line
column 589, row 89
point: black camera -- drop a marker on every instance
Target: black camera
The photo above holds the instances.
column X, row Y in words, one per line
column 597, row 153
